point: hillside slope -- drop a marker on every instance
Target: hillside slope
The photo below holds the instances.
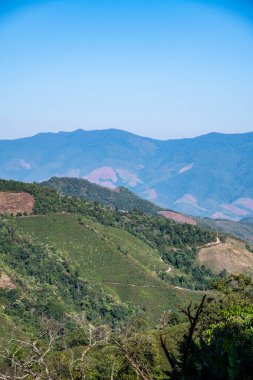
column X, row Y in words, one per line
column 120, row 198
column 113, row 259
column 233, row 256
column 210, row 175
column 138, row 258
column 242, row 229
column 38, row 282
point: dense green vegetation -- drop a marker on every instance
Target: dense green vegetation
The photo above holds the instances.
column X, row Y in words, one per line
column 58, row 321
column 175, row 243
column 62, row 328
column 123, row 265
column 47, row 284
column 218, row 344
column 121, row 198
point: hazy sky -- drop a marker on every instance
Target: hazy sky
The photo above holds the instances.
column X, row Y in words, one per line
column 160, row 68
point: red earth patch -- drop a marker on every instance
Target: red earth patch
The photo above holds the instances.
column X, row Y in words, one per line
column 14, row 203
column 176, row 217
column 5, row 282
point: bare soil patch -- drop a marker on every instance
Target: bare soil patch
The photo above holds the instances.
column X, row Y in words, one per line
column 14, row 203
column 176, row 217
column 5, row 282
column 231, row 255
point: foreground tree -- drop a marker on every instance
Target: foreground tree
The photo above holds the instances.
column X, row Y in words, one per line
column 218, row 344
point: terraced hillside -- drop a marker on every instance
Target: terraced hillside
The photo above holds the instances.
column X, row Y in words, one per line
column 111, row 258
column 99, row 279
column 37, row 283
column 145, row 260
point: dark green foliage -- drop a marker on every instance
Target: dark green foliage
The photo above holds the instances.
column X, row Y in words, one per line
column 219, row 342
column 218, row 345
column 121, row 198
column 227, row 337
column 197, row 276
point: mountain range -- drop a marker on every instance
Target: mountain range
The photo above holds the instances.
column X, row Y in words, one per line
column 207, row 176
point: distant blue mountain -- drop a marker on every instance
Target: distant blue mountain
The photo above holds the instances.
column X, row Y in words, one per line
column 210, row 175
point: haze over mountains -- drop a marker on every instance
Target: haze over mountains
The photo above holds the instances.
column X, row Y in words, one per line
column 210, row 175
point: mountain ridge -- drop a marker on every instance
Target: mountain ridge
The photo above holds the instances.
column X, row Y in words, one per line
column 105, row 130
column 207, row 176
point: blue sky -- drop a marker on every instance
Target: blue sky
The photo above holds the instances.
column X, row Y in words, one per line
column 164, row 69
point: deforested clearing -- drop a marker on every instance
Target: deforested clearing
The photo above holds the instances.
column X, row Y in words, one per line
column 14, row 203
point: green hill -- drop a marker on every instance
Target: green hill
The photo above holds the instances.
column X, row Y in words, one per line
column 120, row 198
column 134, row 256
column 111, row 258
column 82, row 285
column 38, row 281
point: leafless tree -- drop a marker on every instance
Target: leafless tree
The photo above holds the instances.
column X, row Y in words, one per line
column 179, row 364
column 138, row 349
column 95, row 336
column 28, row 359
column 25, row 359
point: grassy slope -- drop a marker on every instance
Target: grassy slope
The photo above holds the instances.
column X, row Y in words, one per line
column 45, row 286
column 106, row 255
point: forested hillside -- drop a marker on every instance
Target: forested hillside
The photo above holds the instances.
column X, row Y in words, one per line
column 84, row 288
column 55, row 325
column 174, row 243
column 120, row 198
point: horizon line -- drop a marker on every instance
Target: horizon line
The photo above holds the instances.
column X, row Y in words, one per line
column 124, row 131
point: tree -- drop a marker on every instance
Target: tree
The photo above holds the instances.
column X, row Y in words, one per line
column 218, row 344
column 180, row 365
